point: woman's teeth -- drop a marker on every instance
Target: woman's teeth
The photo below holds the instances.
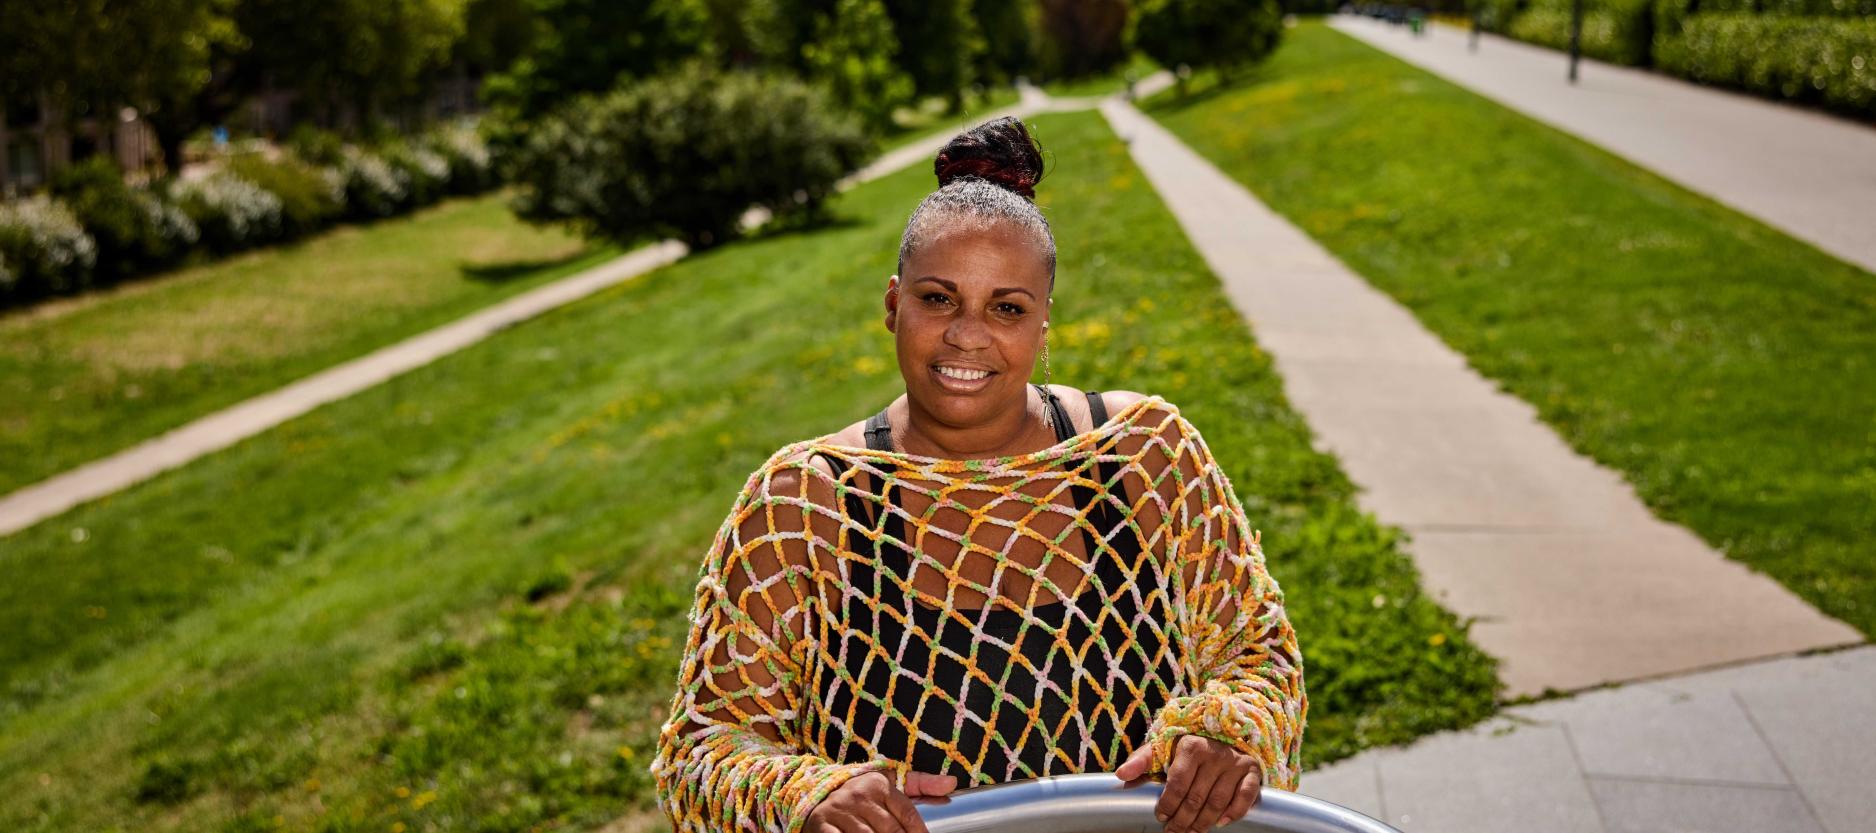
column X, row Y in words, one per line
column 966, row 375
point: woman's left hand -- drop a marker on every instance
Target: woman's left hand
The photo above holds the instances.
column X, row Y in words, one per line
column 1208, row 783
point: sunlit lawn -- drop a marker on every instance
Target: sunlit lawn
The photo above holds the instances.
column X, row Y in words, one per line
column 83, row 377
column 1728, row 370
column 455, row 601
column 1138, row 65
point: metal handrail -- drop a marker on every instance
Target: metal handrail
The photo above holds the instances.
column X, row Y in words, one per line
column 1098, row 802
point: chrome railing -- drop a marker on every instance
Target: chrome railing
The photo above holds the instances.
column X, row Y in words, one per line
column 1097, row 802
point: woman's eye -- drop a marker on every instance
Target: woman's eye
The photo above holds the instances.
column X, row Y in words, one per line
column 939, row 296
column 1012, row 309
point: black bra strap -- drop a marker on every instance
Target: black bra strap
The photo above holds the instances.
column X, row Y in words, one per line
column 1097, row 408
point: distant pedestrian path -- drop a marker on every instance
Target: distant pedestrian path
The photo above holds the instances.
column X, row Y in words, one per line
column 1810, row 175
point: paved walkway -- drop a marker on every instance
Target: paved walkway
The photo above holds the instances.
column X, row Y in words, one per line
column 1574, row 582
column 1783, row 746
column 1810, row 175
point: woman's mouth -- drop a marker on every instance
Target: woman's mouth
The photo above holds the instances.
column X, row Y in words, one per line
column 959, row 380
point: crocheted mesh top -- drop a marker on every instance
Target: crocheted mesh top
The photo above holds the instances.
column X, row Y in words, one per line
column 794, row 595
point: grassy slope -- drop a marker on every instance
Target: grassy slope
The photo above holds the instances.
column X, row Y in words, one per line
column 327, row 626
column 84, row 377
column 1728, row 370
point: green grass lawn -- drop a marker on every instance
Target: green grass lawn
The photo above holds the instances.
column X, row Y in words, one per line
column 1104, row 83
column 1727, row 370
column 454, row 601
column 929, row 117
column 83, row 377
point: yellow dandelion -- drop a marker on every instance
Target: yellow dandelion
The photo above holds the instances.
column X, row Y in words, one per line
column 1437, row 639
column 422, row 799
column 402, row 792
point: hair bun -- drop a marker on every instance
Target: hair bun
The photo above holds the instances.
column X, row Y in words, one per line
column 999, row 151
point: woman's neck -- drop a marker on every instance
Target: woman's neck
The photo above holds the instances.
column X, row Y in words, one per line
column 916, row 432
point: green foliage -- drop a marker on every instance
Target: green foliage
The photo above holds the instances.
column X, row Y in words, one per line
column 232, row 213
column 853, row 53
column 1081, row 38
column 686, row 154
column 1618, row 31
column 938, row 44
column 135, row 230
column 1219, row 34
column 587, row 46
column 1012, row 32
column 310, row 198
column 43, row 250
column 1816, row 60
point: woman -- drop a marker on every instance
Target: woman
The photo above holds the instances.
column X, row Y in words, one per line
column 988, row 580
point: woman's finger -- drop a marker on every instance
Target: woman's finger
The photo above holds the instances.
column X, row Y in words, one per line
column 1197, row 800
column 1250, row 788
column 879, row 817
column 1225, row 791
column 1178, row 781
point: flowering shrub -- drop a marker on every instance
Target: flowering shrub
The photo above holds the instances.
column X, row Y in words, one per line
column 471, row 167
column 43, row 249
column 424, row 172
column 135, row 230
column 373, row 188
column 231, row 212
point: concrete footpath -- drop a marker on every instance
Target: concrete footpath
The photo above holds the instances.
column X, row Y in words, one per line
column 1781, row 746
column 1574, row 582
column 1810, row 175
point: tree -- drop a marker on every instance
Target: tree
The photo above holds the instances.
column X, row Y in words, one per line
column 1010, row 35
column 92, row 57
column 685, row 153
column 1224, row 34
column 1083, row 37
column 938, row 43
column 853, row 54
column 582, row 46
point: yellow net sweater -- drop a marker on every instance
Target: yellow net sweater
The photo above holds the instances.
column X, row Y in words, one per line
column 995, row 619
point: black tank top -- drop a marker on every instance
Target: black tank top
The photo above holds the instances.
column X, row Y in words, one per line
column 1017, row 747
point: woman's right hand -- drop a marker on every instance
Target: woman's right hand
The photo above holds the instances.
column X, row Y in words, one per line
column 869, row 803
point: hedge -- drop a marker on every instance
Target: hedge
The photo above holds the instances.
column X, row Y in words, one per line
column 1617, row 31
column 94, row 228
column 1820, row 60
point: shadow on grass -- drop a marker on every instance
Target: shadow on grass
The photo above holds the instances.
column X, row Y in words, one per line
column 793, row 224
column 506, row 270
column 1203, row 89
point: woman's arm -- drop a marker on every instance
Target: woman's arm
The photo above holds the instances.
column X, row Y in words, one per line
column 731, row 752
column 1237, row 649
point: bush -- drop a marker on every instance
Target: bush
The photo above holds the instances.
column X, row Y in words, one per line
column 471, row 167
column 424, row 172
column 43, row 250
column 1207, row 33
column 686, row 154
column 373, row 188
column 310, row 198
column 135, row 230
column 1820, row 60
column 232, row 213
column 1617, row 31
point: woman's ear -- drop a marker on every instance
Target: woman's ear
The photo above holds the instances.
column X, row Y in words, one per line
column 892, row 303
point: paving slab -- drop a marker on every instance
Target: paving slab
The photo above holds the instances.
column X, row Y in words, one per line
column 1786, row 745
column 1574, row 581
column 1808, row 174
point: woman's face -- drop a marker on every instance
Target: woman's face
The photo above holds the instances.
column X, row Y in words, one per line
column 973, row 299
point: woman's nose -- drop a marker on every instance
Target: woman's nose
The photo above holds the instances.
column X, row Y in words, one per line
column 967, row 333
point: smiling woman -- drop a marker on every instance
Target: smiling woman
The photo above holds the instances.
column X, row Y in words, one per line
column 964, row 587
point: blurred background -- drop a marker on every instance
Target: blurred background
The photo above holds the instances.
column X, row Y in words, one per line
column 375, row 375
